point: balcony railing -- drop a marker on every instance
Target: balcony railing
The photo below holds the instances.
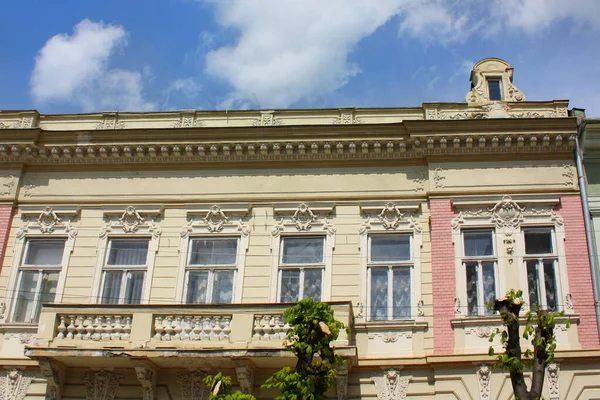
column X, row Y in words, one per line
column 231, row 326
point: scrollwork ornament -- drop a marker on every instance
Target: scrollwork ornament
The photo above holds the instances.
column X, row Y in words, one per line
column 484, row 377
column 101, row 385
column 569, row 301
column 507, row 214
column 552, row 373
column 457, row 307
column 391, row 386
column 131, row 220
column 47, row 220
column 2, row 310
column 390, row 216
column 420, row 311
column 14, row 384
column 303, row 217
column 192, row 385
column 215, row 219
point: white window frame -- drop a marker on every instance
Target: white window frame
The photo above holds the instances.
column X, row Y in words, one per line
column 293, row 222
column 403, row 218
column 301, row 267
column 390, row 268
column 212, row 268
column 41, row 223
column 207, row 220
column 481, row 305
column 124, row 269
column 140, row 226
column 560, row 273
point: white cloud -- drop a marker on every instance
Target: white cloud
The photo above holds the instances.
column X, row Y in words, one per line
column 289, row 49
column 188, row 87
column 75, row 69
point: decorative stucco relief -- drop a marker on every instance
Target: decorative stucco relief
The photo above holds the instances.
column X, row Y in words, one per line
column 192, row 385
column 347, row 118
column 188, row 121
column 214, row 221
column 303, row 219
column 14, row 384
column 55, row 378
column 341, row 387
column 147, row 378
column 101, row 384
column 552, row 374
column 391, row 386
column 110, row 121
column 569, row 175
column 7, row 186
column 267, row 119
column 130, row 221
column 390, row 218
column 245, row 376
column 47, row 221
column 21, row 123
column 391, row 337
column 484, row 378
column 438, row 178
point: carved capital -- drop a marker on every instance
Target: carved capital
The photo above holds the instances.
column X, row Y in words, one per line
column 147, row 378
column 391, row 386
column 14, row 384
column 101, row 384
column 55, row 378
column 192, row 385
column 245, row 376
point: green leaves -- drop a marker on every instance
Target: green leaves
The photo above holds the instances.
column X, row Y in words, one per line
column 314, row 328
column 219, row 386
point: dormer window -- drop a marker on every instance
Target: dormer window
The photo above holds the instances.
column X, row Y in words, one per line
column 494, row 89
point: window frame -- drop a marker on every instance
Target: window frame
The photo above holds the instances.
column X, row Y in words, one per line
column 211, row 268
column 498, row 79
column 541, row 258
column 281, row 266
column 40, row 270
column 391, row 266
column 480, row 260
column 124, row 269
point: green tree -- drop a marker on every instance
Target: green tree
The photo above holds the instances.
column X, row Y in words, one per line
column 539, row 330
column 220, row 388
column 313, row 329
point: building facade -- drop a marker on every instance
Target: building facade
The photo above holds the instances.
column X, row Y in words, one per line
column 165, row 246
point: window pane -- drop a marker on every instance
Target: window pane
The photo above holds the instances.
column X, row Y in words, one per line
column 550, row 283
column 379, row 294
column 303, row 250
column 495, row 89
column 402, row 293
column 128, row 252
column 478, row 243
column 386, row 248
column 532, row 283
column 489, row 287
column 538, row 242
column 112, row 287
column 213, row 251
column 133, row 290
column 472, row 288
column 44, row 252
column 290, row 286
column 223, row 287
column 197, row 287
column 24, row 308
column 312, row 284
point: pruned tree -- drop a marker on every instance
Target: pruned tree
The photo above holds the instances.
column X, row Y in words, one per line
column 539, row 330
column 220, row 388
column 313, row 329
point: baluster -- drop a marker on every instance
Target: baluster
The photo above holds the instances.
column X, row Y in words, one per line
column 118, row 329
column 127, row 328
column 197, row 331
column 257, row 329
column 97, row 328
column 108, row 331
column 89, row 327
column 168, row 328
column 187, row 328
column 71, row 327
column 61, row 328
column 216, row 331
column 267, row 327
column 177, row 330
column 79, row 328
column 277, row 326
column 227, row 327
column 158, row 328
column 206, row 328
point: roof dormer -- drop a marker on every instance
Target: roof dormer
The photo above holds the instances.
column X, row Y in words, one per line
column 491, row 80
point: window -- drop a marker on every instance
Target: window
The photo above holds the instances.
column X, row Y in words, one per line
column 211, row 269
column 479, row 262
column 124, row 271
column 38, row 277
column 494, row 89
column 389, row 270
column 540, row 262
column 301, row 265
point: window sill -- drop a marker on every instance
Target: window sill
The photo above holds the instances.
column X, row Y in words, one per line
column 479, row 320
column 9, row 327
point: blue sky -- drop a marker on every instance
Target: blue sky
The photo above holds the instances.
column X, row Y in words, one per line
column 85, row 56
